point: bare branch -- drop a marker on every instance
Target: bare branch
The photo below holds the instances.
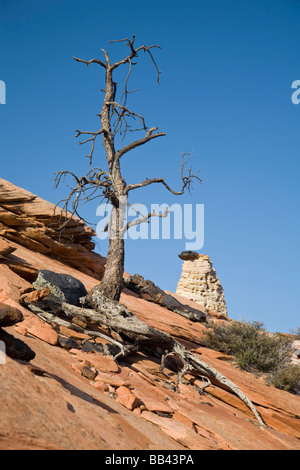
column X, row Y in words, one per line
column 121, row 124
column 134, row 53
column 126, row 111
column 146, row 218
column 147, row 181
column 137, row 143
column 83, row 190
column 106, row 57
column 91, row 139
column 92, row 61
column 187, row 180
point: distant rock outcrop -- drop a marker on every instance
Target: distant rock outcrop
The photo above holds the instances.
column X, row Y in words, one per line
column 199, row 282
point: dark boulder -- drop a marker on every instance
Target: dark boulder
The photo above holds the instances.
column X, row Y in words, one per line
column 67, row 343
column 63, row 286
column 9, row 315
column 15, row 348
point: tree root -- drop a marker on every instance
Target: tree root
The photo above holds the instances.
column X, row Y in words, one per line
column 134, row 335
column 51, row 318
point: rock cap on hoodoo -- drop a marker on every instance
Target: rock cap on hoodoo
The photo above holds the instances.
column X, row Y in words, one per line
column 191, row 255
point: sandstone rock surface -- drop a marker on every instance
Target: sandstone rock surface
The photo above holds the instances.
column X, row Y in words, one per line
column 73, row 397
column 38, row 225
column 199, row 282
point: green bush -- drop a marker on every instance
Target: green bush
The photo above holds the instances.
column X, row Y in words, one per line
column 256, row 351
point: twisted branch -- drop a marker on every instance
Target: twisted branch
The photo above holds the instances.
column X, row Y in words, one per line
column 187, row 178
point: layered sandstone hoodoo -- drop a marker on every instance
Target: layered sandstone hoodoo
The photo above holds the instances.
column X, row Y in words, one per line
column 199, row 282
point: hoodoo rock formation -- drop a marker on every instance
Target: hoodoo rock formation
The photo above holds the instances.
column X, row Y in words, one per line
column 199, row 282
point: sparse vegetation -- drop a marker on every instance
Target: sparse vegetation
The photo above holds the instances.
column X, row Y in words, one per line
column 257, row 351
column 286, row 378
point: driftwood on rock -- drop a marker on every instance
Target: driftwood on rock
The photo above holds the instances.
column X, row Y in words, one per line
column 133, row 335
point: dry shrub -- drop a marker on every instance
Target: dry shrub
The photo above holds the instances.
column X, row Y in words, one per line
column 257, row 351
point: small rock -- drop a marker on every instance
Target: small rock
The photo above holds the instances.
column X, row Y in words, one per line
column 5, row 247
column 35, row 295
column 44, row 332
column 9, row 315
column 111, row 380
column 86, row 363
column 127, row 398
column 88, row 346
column 88, row 373
column 81, row 356
column 77, row 367
column 99, row 385
column 104, row 363
column 67, row 343
column 188, row 255
column 99, row 362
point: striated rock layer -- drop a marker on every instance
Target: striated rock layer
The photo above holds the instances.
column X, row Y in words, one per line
column 36, row 224
column 199, row 282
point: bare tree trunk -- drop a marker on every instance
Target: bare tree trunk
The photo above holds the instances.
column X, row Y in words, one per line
column 112, row 283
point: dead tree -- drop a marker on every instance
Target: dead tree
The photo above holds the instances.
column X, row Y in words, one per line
column 117, row 120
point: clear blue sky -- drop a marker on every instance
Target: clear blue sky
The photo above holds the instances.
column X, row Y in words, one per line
column 225, row 94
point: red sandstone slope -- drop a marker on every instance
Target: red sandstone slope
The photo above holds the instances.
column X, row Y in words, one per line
column 54, row 402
